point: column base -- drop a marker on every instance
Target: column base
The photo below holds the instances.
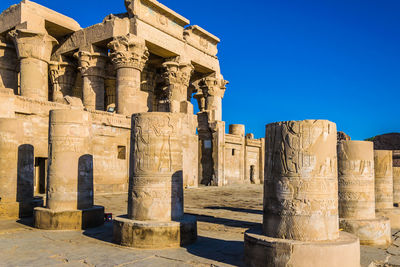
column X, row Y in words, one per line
column 260, row 250
column 15, row 210
column 371, row 232
column 393, row 214
column 47, row 219
column 155, row 235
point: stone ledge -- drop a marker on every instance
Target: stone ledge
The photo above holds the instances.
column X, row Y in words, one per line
column 155, row 235
column 260, row 250
column 47, row 219
column 371, row 232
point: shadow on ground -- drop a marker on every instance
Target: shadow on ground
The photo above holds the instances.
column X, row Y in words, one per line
column 223, row 221
column 235, row 209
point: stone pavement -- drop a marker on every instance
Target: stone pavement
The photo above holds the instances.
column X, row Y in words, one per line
column 223, row 215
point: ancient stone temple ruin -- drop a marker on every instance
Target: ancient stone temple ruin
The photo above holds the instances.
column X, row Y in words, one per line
column 145, row 60
column 301, row 226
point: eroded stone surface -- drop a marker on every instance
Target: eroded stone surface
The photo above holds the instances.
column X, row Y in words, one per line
column 383, row 179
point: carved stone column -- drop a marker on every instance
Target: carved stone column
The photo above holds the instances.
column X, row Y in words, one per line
column 177, row 77
column 214, row 90
column 62, row 78
column 129, row 55
column 396, row 186
column 8, row 66
column 70, row 176
column 148, row 85
column 357, row 194
column 92, row 67
column 201, row 100
column 155, row 198
column 384, row 187
column 34, row 52
column 301, row 200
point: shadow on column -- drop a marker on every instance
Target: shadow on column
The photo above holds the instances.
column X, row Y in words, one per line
column 25, row 176
column 177, row 196
column 85, row 182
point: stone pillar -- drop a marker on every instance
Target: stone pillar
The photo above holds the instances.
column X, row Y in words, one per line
column 8, row 66
column 213, row 88
column 129, row 55
column 357, row 194
column 92, row 67
column 148, row 85
column 70, row 174
column 34, row 52
column 237, row 129
column 62, row 78
column 384, row 187
column 155, row 203
column 396, row 186
column 177, row 77
column 301, row 200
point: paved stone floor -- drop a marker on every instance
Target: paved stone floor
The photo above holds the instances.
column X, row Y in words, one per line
column 223, row 216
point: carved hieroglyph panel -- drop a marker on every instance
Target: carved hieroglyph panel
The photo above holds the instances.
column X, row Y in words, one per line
column 383, row 179
column 156, row 181
column 356, row 180
column 301, row 188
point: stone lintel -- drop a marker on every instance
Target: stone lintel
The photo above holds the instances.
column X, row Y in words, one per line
column 202, row 40
column 32, row 16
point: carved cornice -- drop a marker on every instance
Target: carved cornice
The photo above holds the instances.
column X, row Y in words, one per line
column 91, row 63
column 33, row 45
column 128, row 51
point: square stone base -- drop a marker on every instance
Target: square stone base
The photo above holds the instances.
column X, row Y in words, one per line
column 68, row 220
column 372, row 232
column 260, row 250
column 393, row 214
column 155, row 235
column 15, row 210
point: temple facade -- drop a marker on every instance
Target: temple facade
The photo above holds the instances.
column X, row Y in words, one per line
column 148, row 59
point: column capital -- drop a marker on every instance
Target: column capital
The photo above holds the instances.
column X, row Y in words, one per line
column 128, row 51
column 213, row 86
column 31, row 44
column 62, row 77
column 177, row 73
column 91, row 63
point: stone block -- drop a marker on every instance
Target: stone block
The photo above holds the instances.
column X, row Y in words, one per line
column 393, row 214
column 155, row 235
column 48, row 219
column 266, row 251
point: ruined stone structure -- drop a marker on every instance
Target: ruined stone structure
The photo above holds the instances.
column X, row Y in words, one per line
column 390, row 141
column 357, row 194
column 155, row 204
column 301, row 226
column 145, row 60
column 70, row 178
column 384, row 187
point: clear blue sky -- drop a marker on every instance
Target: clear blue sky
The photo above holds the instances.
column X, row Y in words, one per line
column 293, row 59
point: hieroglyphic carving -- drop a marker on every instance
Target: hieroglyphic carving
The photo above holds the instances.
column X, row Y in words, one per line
column 301, row 180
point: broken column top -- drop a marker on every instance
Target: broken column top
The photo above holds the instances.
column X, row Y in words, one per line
column 32, row 16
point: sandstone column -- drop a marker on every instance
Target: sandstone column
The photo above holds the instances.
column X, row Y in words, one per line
column 357, row 194
column 396, row 186
column 8, row 66
column 177, row 77
column 300, row 226
column 70, row 174
column 155, row 204
column 213, row 88
column 129, row 55
column 34, row 51
column 92, row 68
column 384, row 187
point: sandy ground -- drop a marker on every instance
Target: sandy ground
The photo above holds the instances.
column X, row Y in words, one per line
column 223, row 215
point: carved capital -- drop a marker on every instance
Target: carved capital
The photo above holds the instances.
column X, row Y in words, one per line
column 128, row 51
column 33, row 45
column 91, row 63
column 149, row 80
column 177, row 73
column 212, row 86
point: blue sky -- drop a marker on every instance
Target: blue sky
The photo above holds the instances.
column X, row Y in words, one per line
column 293, row 59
